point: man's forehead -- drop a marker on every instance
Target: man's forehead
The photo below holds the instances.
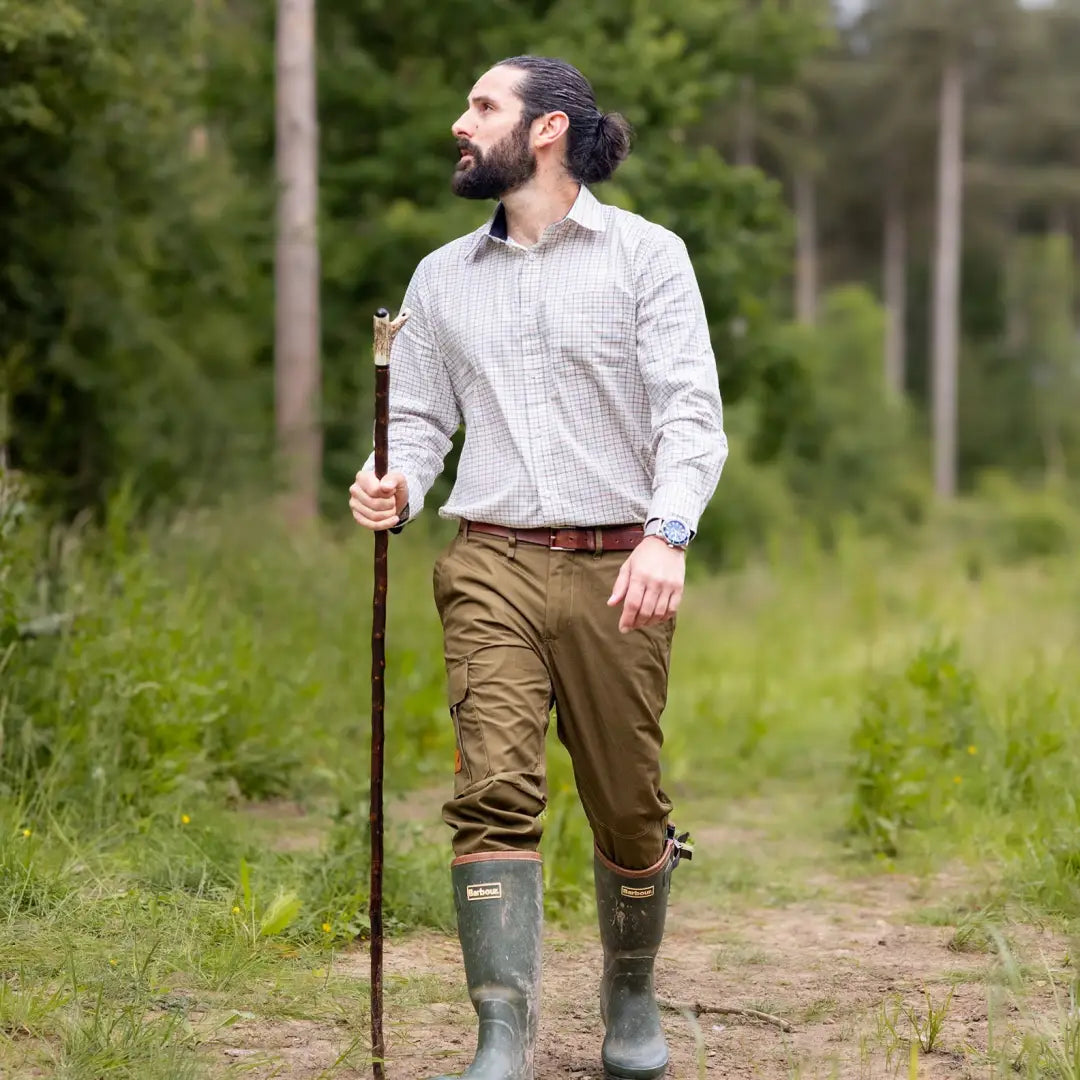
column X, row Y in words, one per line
column 498, row 83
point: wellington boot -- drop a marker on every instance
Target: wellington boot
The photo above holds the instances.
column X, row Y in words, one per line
column 499, row 901
column 632, row 906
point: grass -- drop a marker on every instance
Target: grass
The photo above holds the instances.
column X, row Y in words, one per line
column 183, row 801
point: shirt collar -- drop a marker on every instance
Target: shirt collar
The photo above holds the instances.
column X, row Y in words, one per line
column 587, row 211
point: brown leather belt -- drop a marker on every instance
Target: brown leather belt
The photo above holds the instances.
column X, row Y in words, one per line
column 601, row 538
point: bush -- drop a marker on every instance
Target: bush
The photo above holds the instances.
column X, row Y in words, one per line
column 913, row 734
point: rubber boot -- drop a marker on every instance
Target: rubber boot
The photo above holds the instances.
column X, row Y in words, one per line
column 632, row 906
column 499, row 901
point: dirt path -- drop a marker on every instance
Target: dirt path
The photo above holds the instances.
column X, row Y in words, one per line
column 839, row 970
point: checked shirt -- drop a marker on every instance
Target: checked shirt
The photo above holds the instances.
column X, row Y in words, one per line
column 581, row 368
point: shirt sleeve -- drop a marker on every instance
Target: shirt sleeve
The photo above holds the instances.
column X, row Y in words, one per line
column 424, row 412
column 679, row 370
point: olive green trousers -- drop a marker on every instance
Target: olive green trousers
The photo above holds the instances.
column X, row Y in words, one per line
column 527, row 628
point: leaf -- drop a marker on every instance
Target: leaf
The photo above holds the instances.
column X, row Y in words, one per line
column 245, row 883
column 280, row 914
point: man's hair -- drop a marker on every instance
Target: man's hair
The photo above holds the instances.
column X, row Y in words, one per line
column 597, row 142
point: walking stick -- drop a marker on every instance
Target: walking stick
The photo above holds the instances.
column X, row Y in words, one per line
column 385, row 330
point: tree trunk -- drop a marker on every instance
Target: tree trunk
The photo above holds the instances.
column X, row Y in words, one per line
column 895, row 287
column 199, row 138
column 946, row 322
column 746, row 126
column 296, row 354
column 806, row 261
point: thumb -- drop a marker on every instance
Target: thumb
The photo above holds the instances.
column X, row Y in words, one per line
column 622, row 583
column 391, row 482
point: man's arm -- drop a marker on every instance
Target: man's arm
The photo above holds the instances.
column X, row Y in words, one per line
column 423, row 409
column 679, row 369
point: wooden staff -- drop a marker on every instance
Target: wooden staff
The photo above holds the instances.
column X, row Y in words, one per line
column 385, row 331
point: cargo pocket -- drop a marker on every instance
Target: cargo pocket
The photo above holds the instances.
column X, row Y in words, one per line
column 470, row 756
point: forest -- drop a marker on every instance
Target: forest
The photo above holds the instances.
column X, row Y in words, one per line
column 874, row 717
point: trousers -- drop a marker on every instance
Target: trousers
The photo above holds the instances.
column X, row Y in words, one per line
column 527, row 629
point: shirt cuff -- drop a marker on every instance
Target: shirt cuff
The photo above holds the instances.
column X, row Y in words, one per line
column 416, row 498
column 675, row 501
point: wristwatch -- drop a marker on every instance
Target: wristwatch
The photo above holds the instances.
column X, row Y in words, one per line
column 674, row 532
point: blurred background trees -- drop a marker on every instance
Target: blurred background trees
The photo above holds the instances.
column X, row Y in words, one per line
column 882, row 201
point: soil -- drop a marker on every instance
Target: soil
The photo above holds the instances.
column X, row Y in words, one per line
column 841, row 971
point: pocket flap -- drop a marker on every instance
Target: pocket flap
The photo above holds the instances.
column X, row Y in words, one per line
column 457, row 681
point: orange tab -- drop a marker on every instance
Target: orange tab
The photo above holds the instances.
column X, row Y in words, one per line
column 457, row 760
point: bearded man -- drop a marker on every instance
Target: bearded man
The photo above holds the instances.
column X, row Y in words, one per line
column 570, row 339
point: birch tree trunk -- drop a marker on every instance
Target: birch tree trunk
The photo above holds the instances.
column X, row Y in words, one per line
column 946, row 321
column 806, row 259
column 746, row 123
column 895, row 278
column 199, row 139
column 297, row 374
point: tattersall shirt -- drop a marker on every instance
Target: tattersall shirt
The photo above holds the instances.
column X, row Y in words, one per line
column 581, row 368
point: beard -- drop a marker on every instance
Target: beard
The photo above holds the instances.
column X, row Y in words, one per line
column 506, row 166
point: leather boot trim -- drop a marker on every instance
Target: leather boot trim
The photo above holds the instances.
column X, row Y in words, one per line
column 669, row 850
column 497, row 856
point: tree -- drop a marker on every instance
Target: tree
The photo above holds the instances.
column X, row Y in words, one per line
column 297, row 374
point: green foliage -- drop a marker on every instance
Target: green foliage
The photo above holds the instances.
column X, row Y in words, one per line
column 909, row 747
column 846, row 446
column 1009, row 523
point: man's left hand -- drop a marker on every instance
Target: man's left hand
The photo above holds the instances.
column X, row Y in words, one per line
column 650, row 584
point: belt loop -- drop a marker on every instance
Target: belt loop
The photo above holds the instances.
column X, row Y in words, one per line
column 464, row 529
column 511, row 543
column 598, row 541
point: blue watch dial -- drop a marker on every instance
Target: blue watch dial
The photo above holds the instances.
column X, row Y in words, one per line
column 675, row 533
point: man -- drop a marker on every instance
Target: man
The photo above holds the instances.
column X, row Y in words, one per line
column 571, row 340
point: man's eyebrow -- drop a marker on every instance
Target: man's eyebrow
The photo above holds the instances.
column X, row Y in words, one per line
column 482, row 99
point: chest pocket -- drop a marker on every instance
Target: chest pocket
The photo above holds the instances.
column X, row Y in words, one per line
column 591, row 319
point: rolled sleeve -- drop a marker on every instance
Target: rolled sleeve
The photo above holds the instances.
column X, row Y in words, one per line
column 679, row 370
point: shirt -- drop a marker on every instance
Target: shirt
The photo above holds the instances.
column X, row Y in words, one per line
column 581, row 367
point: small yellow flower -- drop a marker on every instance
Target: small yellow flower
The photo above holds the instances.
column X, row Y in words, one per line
column 957, row 779
column 28, row 832
column 184, row 819
column 973, row 750
column 236, row 911
column 112, row 963
column 327, row 927
column 319, row 973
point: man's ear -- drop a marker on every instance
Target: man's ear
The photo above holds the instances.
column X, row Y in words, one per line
column 549, row 128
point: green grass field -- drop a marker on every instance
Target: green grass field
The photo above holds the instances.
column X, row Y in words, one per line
column 183, row 801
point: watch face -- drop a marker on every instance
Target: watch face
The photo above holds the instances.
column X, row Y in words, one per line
column 676, row 533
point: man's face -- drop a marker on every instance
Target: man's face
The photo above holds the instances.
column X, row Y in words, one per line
column 496, row 147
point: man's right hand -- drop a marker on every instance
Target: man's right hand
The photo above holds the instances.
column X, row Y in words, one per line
column 377, row 504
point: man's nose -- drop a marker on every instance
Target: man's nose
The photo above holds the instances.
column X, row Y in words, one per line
column 460, row 127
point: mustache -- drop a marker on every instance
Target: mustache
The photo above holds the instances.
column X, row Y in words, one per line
column 468, row 147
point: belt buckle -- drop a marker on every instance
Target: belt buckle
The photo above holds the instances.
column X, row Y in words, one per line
column 553, row 533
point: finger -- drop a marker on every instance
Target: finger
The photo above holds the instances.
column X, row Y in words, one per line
column 621, row 582
column 374, row 526
column 648, row 605
column 662, row 611
column 374, row 502
column 370, row 520
column 391, row 481
column 675, row 601
column 631, row 606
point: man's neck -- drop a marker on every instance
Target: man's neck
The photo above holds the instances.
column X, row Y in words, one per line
column 532, row 208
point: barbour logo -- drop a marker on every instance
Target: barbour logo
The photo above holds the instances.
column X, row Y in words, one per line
column 489, row 891
column 638, row 894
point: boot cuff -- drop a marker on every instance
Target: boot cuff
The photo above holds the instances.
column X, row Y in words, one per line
column 661, row 864
column 497, row 856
